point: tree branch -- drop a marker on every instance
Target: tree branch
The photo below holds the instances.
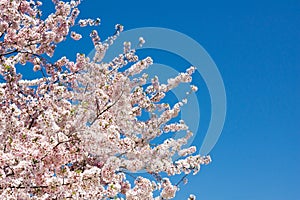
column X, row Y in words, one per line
column 106, row 109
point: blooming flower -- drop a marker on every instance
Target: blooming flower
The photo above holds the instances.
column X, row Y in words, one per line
column 76, row 132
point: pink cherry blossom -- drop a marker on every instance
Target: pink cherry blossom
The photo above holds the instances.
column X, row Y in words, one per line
column 76, row 132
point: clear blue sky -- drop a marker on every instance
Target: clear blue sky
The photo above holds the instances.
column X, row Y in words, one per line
column 256, row 46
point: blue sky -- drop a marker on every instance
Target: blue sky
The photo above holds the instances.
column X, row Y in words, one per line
column 256, row 46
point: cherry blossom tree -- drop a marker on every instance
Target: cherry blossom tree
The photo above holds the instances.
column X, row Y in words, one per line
column 77, row 132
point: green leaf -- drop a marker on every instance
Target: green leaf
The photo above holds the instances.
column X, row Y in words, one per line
column 10, row 140
column 7, row 67
column 35, row 139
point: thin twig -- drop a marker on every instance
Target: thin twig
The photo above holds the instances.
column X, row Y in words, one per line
column 181, row 179
column 106, row 109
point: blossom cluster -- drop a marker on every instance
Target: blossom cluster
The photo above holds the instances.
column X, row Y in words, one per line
column 77, row 132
